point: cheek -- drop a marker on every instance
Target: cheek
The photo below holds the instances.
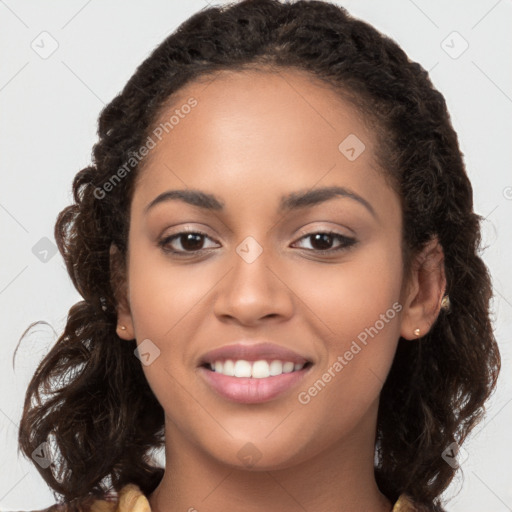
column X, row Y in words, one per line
column 163, row 297
column 170, row 305
column 354, row 293
column 356, row 312
column 165, row 304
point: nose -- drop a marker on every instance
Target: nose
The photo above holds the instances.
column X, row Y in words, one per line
column 254, row 291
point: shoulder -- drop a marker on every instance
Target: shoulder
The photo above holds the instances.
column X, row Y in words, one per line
column 406, row 504
column 129, row 499
column 403, row 504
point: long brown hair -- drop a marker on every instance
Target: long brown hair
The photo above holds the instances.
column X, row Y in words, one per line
column 89, row 398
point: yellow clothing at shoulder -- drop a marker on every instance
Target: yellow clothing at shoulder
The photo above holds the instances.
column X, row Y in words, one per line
column 403, row 504
column 131, row 499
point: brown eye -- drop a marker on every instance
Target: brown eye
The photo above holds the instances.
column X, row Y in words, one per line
column 184, row 242
column 322, row 241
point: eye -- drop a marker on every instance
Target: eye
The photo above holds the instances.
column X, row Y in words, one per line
column 190, row 241
column 323, row 241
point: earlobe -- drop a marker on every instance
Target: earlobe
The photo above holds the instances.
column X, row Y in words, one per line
column 118, row 283
column 424, row 297
column 124, row 332
column 124, row 328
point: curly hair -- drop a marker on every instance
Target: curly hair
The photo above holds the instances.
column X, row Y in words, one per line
column 89, row 399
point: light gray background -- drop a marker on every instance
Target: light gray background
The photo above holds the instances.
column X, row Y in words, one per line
column 49, row 108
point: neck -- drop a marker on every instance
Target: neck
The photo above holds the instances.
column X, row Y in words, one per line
column 340, row 478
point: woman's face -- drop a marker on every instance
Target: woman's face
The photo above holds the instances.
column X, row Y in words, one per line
column 253, row 144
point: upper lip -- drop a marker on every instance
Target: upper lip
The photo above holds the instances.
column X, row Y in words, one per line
column 252, row 352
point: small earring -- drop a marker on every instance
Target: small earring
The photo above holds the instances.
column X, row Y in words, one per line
column 445, row 303
column 123, row 328
column 417, row 332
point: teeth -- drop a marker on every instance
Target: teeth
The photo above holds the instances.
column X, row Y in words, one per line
column 260, row 370
column 255, row 369
column 242, row 369
column 227, row 368
column 288, row 367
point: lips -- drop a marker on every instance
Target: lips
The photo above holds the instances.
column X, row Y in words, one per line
column 252, row 390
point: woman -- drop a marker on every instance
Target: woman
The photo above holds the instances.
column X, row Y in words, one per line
column 278, row 255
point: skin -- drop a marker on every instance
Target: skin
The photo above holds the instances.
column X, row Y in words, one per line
column 253, row 137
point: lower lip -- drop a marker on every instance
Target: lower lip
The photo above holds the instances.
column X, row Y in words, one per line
column 247, row 390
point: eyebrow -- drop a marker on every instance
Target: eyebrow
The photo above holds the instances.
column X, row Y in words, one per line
column 289, row 202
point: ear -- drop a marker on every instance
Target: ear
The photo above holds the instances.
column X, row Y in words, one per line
column 424, row 291
column 119, row 284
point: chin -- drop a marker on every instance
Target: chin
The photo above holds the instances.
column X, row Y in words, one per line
column 249, row 454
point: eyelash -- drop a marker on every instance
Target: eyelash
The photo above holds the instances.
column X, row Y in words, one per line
column 346, row 243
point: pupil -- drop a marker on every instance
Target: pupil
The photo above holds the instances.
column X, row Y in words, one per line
column 190, row 238
column 322, row 236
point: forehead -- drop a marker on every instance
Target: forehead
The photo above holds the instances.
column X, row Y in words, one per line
column 277, row 108
column 258, row 130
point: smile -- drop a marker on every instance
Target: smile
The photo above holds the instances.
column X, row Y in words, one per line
column 255, row 369
column 253, row 382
